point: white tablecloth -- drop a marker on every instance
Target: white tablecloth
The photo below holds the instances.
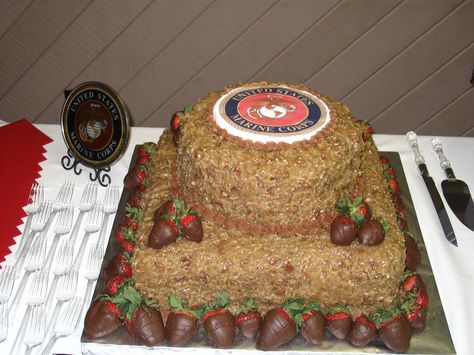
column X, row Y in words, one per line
column 453, row 267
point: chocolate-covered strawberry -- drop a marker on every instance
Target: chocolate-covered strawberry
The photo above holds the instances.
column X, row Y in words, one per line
column 412, row 282
column 343, row 230
column 136, row 178
column 371, row 233
column 248, row 319
column 191, row 227
column 163, row 232
column 219, row 323
column 182, row 323
column 357, row 209
column 413, row 255
column 339, row 322
column 101, row 319
column 363, row 331
column 119, row 265
column 313, row 324
column 167, row 208
column 177, row 121
column 279, row 326
column 146, row 325
column 393, row 329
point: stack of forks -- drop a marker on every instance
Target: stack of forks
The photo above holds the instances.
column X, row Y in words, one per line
column 41, row 286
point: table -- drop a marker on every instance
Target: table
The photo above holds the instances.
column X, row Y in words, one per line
column 453, row 267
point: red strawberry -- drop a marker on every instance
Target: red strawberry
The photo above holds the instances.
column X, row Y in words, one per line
column 143, row 159
column 129, row 222
column 339, row 322
column 146, row 149
column 181, row 324
column 402, row 223
column 180, row 328
column 363, row 331
column 343, row 230
column 383, row 160
column 313, row 327
column 363, row 212
column 125, row 234
column 277, row 329
column 394, row 186
column 167, row 207
column 114, row 284
column 413, row 257
column 422, row 299
column 119, row 265
column 371, row 233
column 417, row 318
column 164, row 232
column 191, row 228
column 101, row 319
column 248, row 324
column 135, row 198
column 396, row 333
column 128, row 246
column 367, row 129
column 147, row 326
column 413, row 282
column 176, row 121
column 248, row 320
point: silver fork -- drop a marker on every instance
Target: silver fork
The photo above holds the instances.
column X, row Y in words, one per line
column 33, row 206
column 92, row 226
column 36, row 297
column 34, row 261
column 66, row 291
column 37, row 225
column 89, row 197
column 67, row 323
column 62, row 265
column 7, row 279
column 111, row 200
column 35, row 330
column 92, row 270
column 3, row 321
column 62, row 226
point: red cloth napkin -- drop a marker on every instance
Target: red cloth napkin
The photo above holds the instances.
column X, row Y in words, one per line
column 21, row 151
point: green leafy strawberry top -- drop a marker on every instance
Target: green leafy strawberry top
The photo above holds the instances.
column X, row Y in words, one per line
column 295, row 309
column 382, row 315
column 129, row 300
column 249, row 307
column 351, row 207
column 337, row 309
column 177, row 304
column 133, row 212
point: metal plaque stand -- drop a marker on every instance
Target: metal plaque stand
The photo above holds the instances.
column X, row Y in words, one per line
column 69, row 162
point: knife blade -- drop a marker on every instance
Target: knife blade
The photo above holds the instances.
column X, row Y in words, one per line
column 430, row 185
column 456, row 192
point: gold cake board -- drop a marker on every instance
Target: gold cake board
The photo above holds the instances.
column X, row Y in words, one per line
column 435, row 339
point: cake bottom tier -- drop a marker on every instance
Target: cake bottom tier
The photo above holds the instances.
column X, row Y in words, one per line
column 270, row 270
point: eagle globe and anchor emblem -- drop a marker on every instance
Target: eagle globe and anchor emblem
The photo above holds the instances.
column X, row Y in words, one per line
column 273, row 108
column 91, row 129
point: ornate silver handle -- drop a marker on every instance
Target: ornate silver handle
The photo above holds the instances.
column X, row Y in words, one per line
column 443, row 160
column 413, row 142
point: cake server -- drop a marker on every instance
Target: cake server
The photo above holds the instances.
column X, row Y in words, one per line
column 435, row 196
column 455, row 191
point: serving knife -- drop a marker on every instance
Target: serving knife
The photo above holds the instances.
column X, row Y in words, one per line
column 435, row 197
column 455, row 191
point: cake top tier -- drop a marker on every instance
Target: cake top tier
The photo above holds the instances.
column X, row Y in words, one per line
column 271, row 113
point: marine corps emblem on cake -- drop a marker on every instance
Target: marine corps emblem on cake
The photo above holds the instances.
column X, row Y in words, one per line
column 271, row 113
column 95, row 124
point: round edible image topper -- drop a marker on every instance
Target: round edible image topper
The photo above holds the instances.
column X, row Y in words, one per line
column 95, row 124
column 272, row 113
